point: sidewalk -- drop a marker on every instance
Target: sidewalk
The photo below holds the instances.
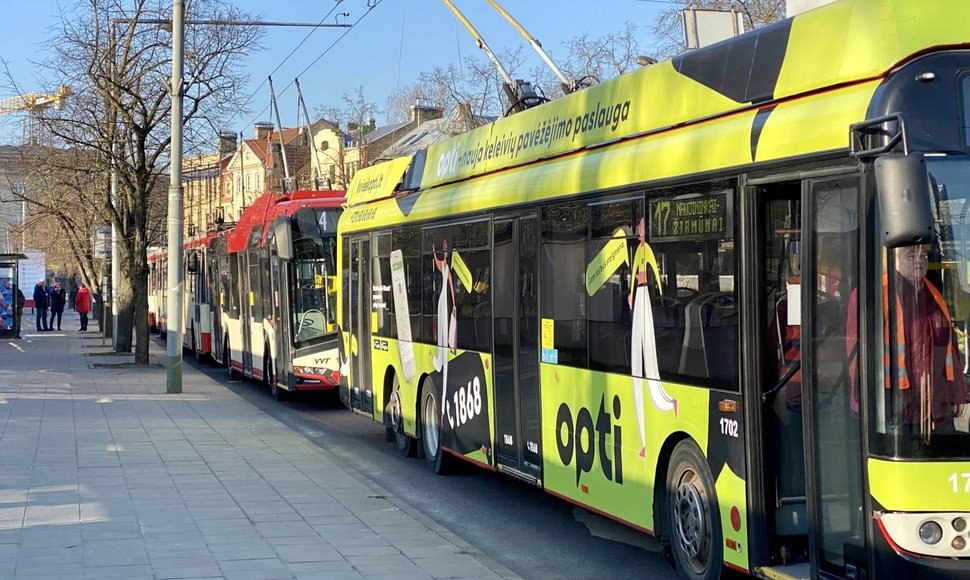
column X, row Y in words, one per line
column 104, row 475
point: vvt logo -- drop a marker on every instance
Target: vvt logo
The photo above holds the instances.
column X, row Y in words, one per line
column 582, row 439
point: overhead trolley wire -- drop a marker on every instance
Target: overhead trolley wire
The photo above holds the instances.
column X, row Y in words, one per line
column 371, row 5
column 292, row 52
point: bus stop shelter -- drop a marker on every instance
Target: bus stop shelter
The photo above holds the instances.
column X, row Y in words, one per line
column 9, row 313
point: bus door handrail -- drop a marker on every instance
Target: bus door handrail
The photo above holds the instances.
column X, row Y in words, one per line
column 769, row 394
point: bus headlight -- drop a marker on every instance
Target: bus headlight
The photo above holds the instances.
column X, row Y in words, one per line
column 931, row 533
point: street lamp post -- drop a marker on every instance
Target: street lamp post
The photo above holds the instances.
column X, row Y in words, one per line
column 173, row 382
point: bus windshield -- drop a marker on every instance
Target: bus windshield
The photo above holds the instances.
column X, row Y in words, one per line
column 314, row 296
column 922, row 398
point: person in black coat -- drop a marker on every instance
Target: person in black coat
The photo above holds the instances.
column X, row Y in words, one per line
column 58, row 299
column 41, row 304
column 73, row 292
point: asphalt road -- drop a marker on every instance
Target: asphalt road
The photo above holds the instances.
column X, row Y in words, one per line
column 530, row 532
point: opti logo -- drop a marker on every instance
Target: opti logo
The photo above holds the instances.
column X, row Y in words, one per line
column 580, row 438
column 447, row 162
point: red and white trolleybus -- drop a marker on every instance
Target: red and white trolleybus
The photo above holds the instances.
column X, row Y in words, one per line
column 260, row 296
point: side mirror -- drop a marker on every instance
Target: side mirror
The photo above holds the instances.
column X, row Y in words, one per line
column 192, row 264
column 904, row 196
column 283, row 235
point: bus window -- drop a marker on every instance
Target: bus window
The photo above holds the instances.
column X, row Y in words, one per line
column 695, row 318
column 231, row 297
column 922, row 407
column 471, row 262
column 382, row 296
column 314, row 300
column 255, row 299
column 408, row 240
column 613, row 237
column 562, row 268
column 468, row 263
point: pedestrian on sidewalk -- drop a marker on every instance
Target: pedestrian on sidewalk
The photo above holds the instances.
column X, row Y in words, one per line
column 20, row 312
column 82, row 303
column 41, row 304
column 73, row 292
column 58, row 299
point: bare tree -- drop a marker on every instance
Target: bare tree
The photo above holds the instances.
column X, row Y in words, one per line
column 353, row 116
column 669, row 28
column 66, row 210
column 119, row 69
column 590, row 60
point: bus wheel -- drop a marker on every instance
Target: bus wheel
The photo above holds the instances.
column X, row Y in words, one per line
column 439, row 461
column 394, row 419
column 227, row 354
column 693, row 520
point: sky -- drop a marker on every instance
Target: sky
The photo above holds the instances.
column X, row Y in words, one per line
column 388, row 48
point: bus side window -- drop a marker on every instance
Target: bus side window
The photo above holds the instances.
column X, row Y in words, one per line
column 562, row 269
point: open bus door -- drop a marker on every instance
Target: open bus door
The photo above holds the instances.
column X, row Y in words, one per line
column 810, row 425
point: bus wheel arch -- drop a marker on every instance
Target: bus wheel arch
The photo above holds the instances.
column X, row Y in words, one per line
column 394, row 415
column 688, row 509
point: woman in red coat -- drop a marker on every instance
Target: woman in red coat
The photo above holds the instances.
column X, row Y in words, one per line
column 82, row 303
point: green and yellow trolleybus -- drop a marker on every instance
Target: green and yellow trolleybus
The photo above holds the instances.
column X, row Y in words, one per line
column 668, row 297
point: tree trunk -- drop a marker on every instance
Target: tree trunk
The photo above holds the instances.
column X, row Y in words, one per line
column 124, row 301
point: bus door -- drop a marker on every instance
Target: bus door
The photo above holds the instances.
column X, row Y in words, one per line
column 279, row 288
column 361, row 393
column 832, row 425
column 246, row 319
column 516, row 348
column 810, row 437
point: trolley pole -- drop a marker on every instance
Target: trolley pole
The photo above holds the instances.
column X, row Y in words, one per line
column 173, row 382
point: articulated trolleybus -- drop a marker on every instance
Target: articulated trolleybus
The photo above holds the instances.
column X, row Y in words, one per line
column 666, row 297
column 261, row 297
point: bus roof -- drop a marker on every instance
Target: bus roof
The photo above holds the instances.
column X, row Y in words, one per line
column 837, row 45
column 269, row 206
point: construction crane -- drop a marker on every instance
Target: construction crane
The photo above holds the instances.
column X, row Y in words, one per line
column 33, row 104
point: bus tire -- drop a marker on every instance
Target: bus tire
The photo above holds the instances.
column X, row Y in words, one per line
column 438, row 460
column 693, row 521
column 394, row 419
column 227, row 355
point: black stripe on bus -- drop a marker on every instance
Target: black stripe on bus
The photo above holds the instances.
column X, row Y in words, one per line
column 760, row 118
column 746, row 69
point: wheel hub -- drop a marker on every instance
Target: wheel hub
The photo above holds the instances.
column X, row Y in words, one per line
column 430, row 426
column 394, row 411
column 691, row 525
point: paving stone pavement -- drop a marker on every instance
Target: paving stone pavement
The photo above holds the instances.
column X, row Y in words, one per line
column 104, row 475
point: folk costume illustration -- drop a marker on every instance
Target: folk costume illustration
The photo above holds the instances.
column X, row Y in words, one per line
column 643, row 343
